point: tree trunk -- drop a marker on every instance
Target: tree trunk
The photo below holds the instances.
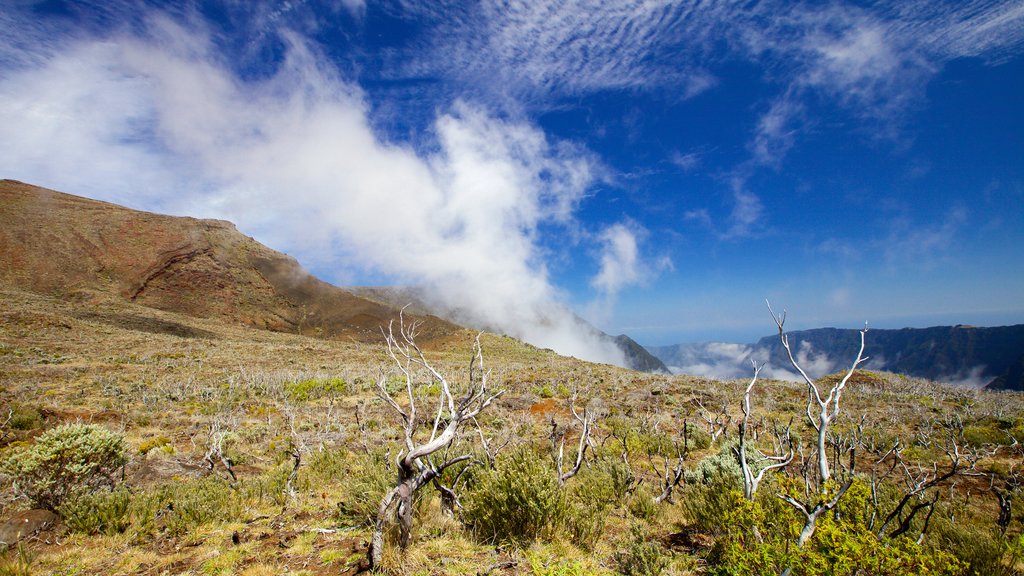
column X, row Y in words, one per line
column 405, row 505
column 822, row 455
column 377, row 539
column 807, row 531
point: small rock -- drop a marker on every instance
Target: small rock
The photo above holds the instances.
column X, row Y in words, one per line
column 24, row 525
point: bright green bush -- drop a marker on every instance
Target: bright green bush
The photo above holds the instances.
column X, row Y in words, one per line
column 67, row 461
column 312, row 389
column 517, row 502
column 152, row 443
column 842, row 548
column 982, row 435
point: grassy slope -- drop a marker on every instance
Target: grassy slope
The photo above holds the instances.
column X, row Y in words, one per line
column 156, row 374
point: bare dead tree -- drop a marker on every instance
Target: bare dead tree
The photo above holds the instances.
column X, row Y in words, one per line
column 827, row 407
column 783, row 450
column 586, row 421
column 215, row 452
column 493, row 446
column 717, row 421
column 295, row 450
column 811, row 513
column 917, row 483
column 414, row 463
column 449, row 491
column 361, row 424
column 4, row 430
column 671, row 477
column 1004, row 495
column 879, row 474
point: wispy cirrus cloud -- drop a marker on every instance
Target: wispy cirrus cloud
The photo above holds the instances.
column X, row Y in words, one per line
column 534, row 51
column 922, row 245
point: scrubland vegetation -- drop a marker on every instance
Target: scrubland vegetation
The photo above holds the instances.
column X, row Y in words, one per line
column 170, row 445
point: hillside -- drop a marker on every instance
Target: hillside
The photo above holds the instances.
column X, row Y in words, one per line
column 56, row 243
column 964, row 354
column 234, row 449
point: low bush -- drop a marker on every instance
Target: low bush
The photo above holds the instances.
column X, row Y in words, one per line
column 106, row 513
column 65, row 462
column 312, row 388
column 709, row 490
column 152, row 443
column 844, row 547
column 24, row 418
column 517, row 502
column 199, row 502
column 367, row 479
column 639, row 557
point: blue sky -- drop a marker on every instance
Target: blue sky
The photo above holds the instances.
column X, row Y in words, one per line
column 658, row 168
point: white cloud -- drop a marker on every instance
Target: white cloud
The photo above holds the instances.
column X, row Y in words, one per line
column 159, row 121
column 620, row 260
column 537, row 49
column 621, row 266
column 972, row 378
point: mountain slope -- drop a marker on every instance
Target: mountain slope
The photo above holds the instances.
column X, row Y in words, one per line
column 56, row 243
column 637, row 357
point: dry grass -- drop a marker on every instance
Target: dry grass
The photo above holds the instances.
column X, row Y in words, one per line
column 154, row 375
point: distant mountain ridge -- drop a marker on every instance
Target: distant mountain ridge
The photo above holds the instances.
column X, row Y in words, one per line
column 989, row 356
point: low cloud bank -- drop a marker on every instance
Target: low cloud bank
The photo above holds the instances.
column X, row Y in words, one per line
column 727, row 361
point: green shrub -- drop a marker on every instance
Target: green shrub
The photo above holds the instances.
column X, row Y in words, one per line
column 698, row 438
column 640, row 557
column 179, row 508
column 312, row 389
column 641, row 504
column 983, row 550
column 152, row 443
column 24, row 418
column 99, row 513
column 517, row 502
column 606, row 483
column 709, row 490
column 368, row 478
column 843, row 547
column 977, row 436
column 200, row 502
column 67, row 461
